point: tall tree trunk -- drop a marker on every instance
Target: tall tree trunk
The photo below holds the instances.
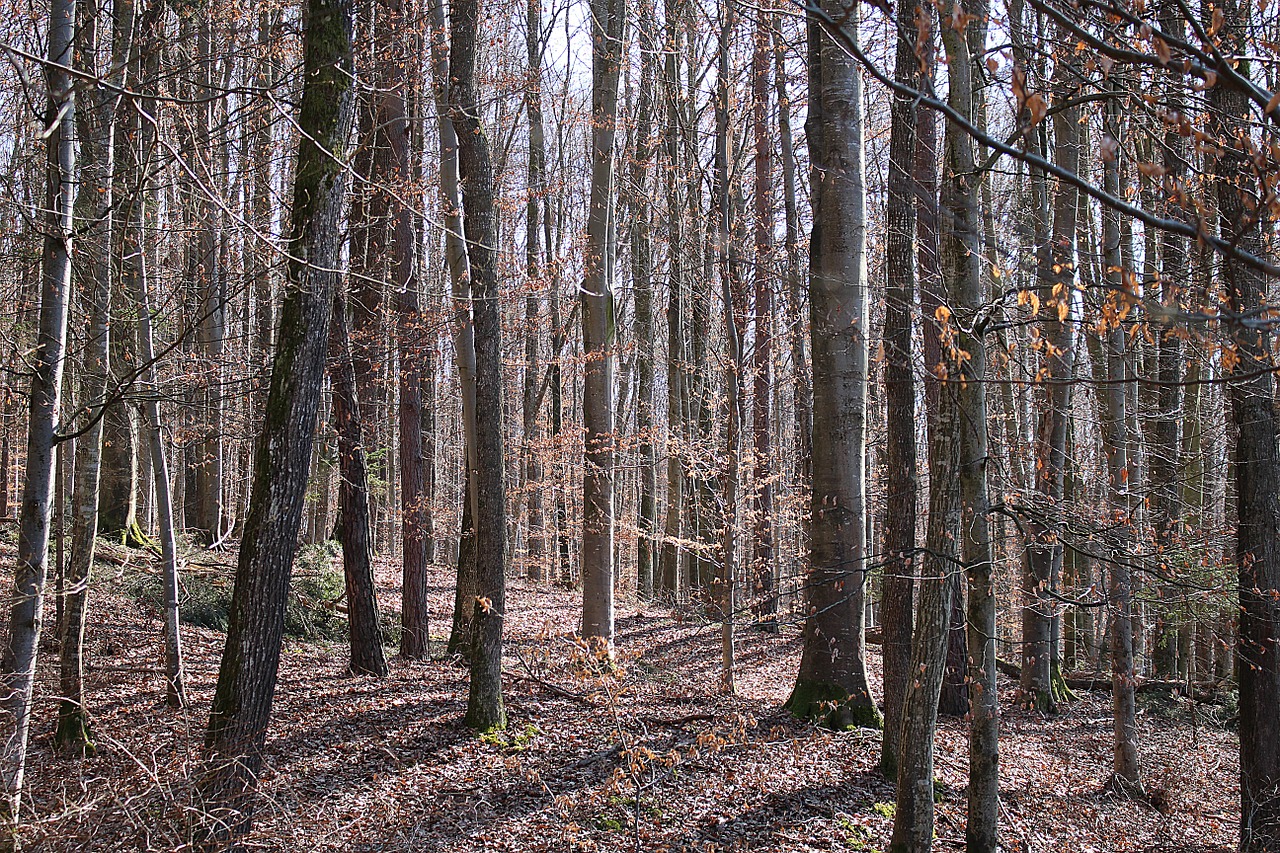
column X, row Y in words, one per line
column 1056, row 272
column 642, row 281
column 485, row 709
column 1257, row 468
column 729, row 287
column 1113, row 404
column 26, row 616
column 250, row 662
column 668, row 581
column 832, row 683
column 762, row 357
column 897, row 592
column 599, row 334
column 94, row 204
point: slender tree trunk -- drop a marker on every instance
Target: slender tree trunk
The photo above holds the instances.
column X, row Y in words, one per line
column 27, row 603
column 762, row 357
column 250, row 661
column 94, row 206
column 1056, row 270
column 897, row 592
column 599, row 335
column 642, row 281
column 364, row 634
column 485, row 709
column 668, row 580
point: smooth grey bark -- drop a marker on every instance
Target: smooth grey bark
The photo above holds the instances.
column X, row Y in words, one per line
column 668, row 580
column 599, row 333
column 961, row 260
column 94, row 205
column 647, row 540
column 729, row 287
column 1056, row 273
column 250, row 662
column 832, row 683
column 44, row 411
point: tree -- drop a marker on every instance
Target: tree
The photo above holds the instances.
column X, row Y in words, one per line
column 897, row 595
column 599, row 333
column 43, row 415
column 832, row 682
column 250, row 662
column 485, row 710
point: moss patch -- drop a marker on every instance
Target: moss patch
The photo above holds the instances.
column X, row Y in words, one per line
column 831, row 706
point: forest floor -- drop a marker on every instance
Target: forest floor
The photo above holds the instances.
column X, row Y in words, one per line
column 361, row 764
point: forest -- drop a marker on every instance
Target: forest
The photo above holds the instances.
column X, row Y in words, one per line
column 652, row 425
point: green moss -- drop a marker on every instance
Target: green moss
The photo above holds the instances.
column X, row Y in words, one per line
column 831, row 706
column 885, row 809
column 74, row 735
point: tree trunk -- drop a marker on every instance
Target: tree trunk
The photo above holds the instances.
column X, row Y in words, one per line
column 832, row 683
column 250, row 662
column 485, row 709
column 765, row 591
column 897, row 592
column 94, row 206
column 599, row 335
column 642, row 281
column 26, row 613
column 1257, row 471
column 364, row 634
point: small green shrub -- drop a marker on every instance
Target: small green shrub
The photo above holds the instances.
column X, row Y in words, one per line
column 310, row 612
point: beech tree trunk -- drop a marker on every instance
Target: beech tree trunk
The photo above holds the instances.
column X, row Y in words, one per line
column 832, row 683
column 44, row 410
column 94, row 204
column 599, row 334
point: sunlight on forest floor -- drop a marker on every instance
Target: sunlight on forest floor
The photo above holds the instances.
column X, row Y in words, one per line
column 357, row 764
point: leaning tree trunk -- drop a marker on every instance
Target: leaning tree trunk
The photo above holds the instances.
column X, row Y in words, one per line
column 25, row 616
column 250, row 662
column 485, row 709
column 832, row 683
column 599, row 335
